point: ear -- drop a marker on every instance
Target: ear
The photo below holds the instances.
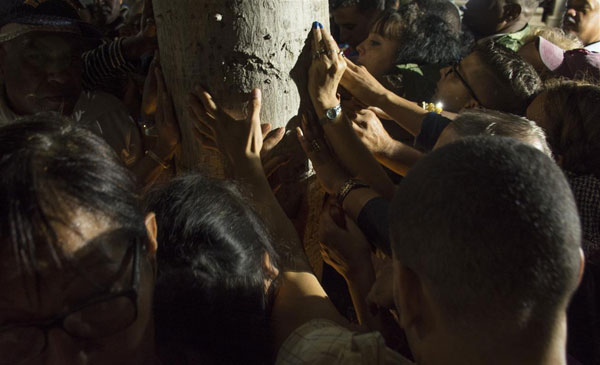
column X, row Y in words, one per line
column 152, row 230
column 581, row 266
column 408, row 296
column 511, row 12
column 471, row 104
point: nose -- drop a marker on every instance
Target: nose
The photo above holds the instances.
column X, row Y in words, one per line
column 361, row 48
column 62, row 349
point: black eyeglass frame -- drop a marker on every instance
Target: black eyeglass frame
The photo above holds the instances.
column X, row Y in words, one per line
column 58, row 320
column 454, row 68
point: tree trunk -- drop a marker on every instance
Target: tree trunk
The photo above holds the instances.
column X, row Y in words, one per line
column 231, row 47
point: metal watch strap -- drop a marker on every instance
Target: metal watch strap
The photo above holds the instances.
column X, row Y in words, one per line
column 331, row 114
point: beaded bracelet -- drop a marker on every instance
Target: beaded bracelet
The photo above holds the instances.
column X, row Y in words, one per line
column 433, row 108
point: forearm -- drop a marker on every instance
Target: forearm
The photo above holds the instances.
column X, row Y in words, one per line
column 399, row 157
column 359, row 285
column 286, row 240
column 104, row 62
column 355, row 156
column 407, row 114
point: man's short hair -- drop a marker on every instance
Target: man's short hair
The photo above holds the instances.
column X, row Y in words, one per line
column 477, row 122
column 363, row 5
column 528, row 7
column 491, row 225
column 516, row 81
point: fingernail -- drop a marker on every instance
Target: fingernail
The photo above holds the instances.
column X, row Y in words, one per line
column 315, row 25
column 320, row 25
column 256, row 93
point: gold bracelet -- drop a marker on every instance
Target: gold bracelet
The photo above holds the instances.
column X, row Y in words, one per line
column 433, row 108
column 157, row 159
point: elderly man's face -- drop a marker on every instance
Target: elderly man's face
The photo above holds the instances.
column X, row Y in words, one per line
column 42, row 72
column 583, row 19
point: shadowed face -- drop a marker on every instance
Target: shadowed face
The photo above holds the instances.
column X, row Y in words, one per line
column 94, row 308
column 377, row 54
column 42, row 72
column 458, row 86
column 354, row 24
column 582, row 18
column 482, row 17
column 105, row 11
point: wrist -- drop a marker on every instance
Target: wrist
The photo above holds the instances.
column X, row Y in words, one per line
column 386, row 150
column 323, row 104
column 247, row 167
column 135, row 47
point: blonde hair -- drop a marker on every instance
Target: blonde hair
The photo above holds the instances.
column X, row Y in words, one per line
column 554, row 35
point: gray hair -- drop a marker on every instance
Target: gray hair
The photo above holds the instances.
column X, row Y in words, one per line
column 495, row 123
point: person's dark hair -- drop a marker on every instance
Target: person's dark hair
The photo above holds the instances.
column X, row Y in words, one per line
column 494, row 123
column 528, row 7
column 424, row 38
column 363, row 5
column 516, row 81
column 210, row 293
column 391, row 24
column 500, row 244
column 444, row 9
column 50, row 168
column 572, row 110
column 429, row 40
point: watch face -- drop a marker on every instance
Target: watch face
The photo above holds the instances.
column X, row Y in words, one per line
column 333, row 113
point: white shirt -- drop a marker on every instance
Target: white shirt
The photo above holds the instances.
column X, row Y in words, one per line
column 594, row 47
column 323, row 342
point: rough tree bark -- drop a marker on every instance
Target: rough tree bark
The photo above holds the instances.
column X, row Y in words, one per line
column 231, row 47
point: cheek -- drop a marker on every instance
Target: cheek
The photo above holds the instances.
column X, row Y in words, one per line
column 23, row 78
column 129, row 345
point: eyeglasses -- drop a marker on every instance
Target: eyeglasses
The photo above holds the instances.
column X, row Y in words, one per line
column 454, row 69
column 101, row 317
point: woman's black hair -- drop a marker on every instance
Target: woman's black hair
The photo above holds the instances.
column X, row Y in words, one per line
column 49, row 168
column 210, row 293
column 429, row 40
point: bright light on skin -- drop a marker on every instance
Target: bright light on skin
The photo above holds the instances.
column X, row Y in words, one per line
column 439, row 105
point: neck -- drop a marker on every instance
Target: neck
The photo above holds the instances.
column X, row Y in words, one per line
column 514, row 349
column 516, row 26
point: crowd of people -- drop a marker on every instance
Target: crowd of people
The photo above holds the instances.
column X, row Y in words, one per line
column 459, row 150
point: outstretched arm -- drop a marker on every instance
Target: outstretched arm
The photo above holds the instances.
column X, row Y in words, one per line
column 325, row 74
column 364, row 87
column 300, row 297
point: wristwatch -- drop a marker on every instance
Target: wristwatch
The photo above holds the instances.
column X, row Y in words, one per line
column 331, row 114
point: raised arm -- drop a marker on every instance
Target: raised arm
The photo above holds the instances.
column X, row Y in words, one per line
column 364, row 87
column 392, row 154
column 325, row 74
column 300, row 297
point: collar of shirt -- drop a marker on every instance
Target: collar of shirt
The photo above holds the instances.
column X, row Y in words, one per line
column 594, row 47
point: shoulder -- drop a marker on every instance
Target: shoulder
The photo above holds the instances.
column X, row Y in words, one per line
column 325, row 342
